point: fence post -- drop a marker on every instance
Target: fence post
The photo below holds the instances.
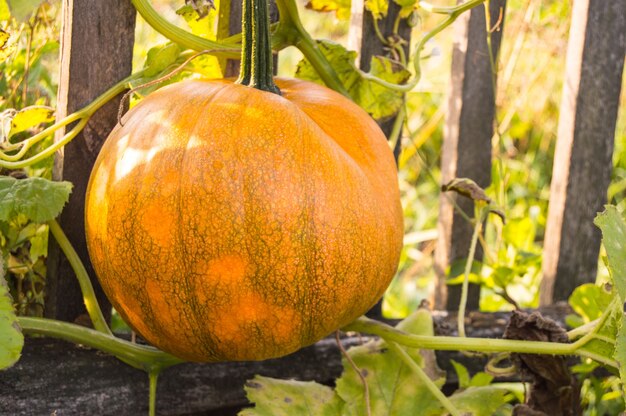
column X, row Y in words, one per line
column 363, row 38
column 468, row 130
column 583, row 156
column 96, row 52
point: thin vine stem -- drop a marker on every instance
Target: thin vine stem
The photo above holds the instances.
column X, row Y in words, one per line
column 419, row 372
column 357, row 370
column 89, row 296
column 466, row 272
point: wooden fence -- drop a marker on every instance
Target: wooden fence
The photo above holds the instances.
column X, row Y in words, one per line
column 97, row 43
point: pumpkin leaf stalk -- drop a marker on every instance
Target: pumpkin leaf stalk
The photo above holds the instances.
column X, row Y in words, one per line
column 256, row 52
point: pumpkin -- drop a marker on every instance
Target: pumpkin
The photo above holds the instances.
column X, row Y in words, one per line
column 225, row 222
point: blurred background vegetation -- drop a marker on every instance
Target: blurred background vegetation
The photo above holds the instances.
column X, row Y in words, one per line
column 529, row 87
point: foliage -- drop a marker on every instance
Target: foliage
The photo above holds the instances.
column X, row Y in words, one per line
column 393, row 387
column 10, row 334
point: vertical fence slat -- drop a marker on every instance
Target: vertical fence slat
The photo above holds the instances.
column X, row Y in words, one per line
column 363, row 38
column 96, row 52
column 583, row 157
column 468, row 131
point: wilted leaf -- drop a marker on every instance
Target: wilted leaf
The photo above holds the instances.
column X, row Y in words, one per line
column 11, row 338
column 379, row 101
column 273, row 397
column 467, row 188
column 340, row 7
column 38, row 199
column 201, row 7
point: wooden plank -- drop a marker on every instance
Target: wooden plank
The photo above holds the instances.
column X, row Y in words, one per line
column 583, row 156
column 467, row 141
column 96, row 52
column 74, row 380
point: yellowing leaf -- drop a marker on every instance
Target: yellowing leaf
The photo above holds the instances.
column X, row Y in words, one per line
column 7, row 45
column 378, row 8
column 340, row 7
column 274, row 397
column 379, row 101
column 30, row 117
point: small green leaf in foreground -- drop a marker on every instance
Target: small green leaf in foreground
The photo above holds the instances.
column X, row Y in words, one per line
column 11, row 338
column 39, row 199
column 614, row 239
column 273, row 397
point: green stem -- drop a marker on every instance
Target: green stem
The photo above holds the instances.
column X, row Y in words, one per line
column 466, row 273
column 417, row 370
column 294, row 34
column 89, row 296
column 180, row 36
column 139, row 356
column 447, row 343
column 153, row 378
column 256, row 53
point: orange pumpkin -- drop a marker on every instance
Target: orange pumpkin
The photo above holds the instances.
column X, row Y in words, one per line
column 229, row 223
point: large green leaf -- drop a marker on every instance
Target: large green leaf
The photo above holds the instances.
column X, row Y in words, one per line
column 614, row 239
column 480, row 401
column 38, row 199
column 613, row 229
column 11, row 338
column 379, row 101
column 393, row 388
column 274, row 397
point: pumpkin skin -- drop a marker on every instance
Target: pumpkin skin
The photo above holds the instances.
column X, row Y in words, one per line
column 228, row 223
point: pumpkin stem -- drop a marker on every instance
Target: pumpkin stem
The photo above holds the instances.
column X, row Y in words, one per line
column 256, row 52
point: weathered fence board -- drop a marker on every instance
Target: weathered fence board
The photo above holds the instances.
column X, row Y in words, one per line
column 583, row 156
column 468, row 131
column 96, row 52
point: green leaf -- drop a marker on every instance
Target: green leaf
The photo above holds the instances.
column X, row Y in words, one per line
column 379, row 101
column 30, row 117
column 200, row 25
column 274, row 397
column 480, row 401
column 38, row 199
column 462, row 374
column 620, row 351
column 614, row 239
column 393, row 388
column 160, row 57
column 590, row 301
column 378, row 8
column 340, row 7
column 11, row 338
column 22, row 10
